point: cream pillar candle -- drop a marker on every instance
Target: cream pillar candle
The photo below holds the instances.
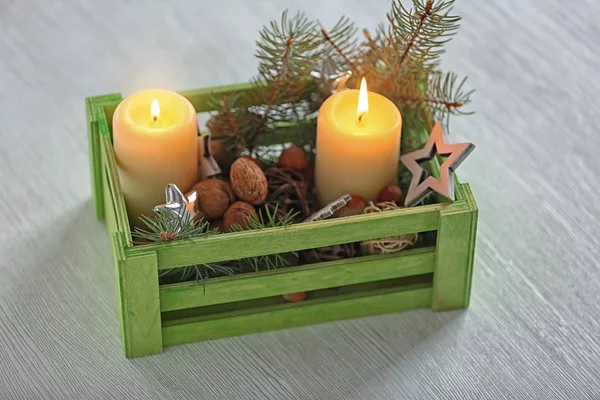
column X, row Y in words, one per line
column 358, row 145
column 155, row 142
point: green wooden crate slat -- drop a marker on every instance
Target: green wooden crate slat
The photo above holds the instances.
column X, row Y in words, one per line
column 96, row 168
column 297, row 279
column 115, row 190
column 454, row 259
column 233, row 246
column 140, row 305
column 118, row 257
column 470, row 199
column 299, row 314
column 200, row 98
column 109, row 212
column 93, row 107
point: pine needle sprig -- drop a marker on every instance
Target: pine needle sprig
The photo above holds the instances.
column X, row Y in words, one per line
column 342, row 43
column 420, row 34
column 166, row 227
column 196, row 273
column 266, row 218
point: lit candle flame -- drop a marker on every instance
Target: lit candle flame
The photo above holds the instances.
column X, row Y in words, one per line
column 154, row 110
column 363, row 100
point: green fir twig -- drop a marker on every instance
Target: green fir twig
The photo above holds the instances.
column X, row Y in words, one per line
column 166, row 227
column 266, row 219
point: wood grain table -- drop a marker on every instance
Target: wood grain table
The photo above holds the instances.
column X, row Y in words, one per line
column 532, row 331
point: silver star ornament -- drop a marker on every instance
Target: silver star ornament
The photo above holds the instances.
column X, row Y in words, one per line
column 180, row 206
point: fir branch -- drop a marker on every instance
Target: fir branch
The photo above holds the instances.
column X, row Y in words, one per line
column 282, row 72
column 419, row 34
column 341, row 38
column 266, row 219
column 399, row 12
column 234, row 129
column 195, row 273
column 166, row 227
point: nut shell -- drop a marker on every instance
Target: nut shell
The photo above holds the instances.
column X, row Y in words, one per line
column 248, row 181
column 294, row 297
column 239, row 213
column 254, row 160
column 218, row 224
column 212, row 199
column 293, row 157
column 355, row 206
column 227, row 188
column 391, row 193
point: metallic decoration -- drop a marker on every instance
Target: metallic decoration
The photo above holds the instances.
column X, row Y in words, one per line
column 333, row 79
column 207, row 165
column 421, row 183
column 180, row 206
column 329, row 209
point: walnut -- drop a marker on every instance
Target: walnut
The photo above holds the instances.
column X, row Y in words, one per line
column 212, row 199
column 254, row 160
column 248, row 181
column 293, row 157
column 239, row 213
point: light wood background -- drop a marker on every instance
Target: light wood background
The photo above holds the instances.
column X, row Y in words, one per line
column 532, row 331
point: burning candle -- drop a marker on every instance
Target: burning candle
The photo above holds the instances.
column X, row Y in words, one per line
column 155, row 142
column 358, row 145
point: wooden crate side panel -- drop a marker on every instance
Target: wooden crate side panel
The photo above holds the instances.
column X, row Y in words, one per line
column 234, row 246
column 454, row 259
column 299, row 314
column 139, row 305
column 297, row 279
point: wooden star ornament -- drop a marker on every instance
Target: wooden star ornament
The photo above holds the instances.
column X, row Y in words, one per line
column 422, row 184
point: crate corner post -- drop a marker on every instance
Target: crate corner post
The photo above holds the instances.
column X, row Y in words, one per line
column 95, row 158
column 454, row 259
column 139, row 302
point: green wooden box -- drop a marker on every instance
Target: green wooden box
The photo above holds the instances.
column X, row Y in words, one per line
column 153, row 316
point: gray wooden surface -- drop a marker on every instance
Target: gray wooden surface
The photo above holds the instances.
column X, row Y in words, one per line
column 532, row 330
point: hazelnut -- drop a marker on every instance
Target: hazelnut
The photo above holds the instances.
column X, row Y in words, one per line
column 355, row 206
column 227, row 188
column 248, row 181
column 391, row 193
column 218, row 224
column 293, row 157
column 294, row 297
column 239, row 213
column 212, row 199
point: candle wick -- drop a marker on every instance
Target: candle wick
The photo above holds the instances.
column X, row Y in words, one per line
column 360, row 116
column 154, row 117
